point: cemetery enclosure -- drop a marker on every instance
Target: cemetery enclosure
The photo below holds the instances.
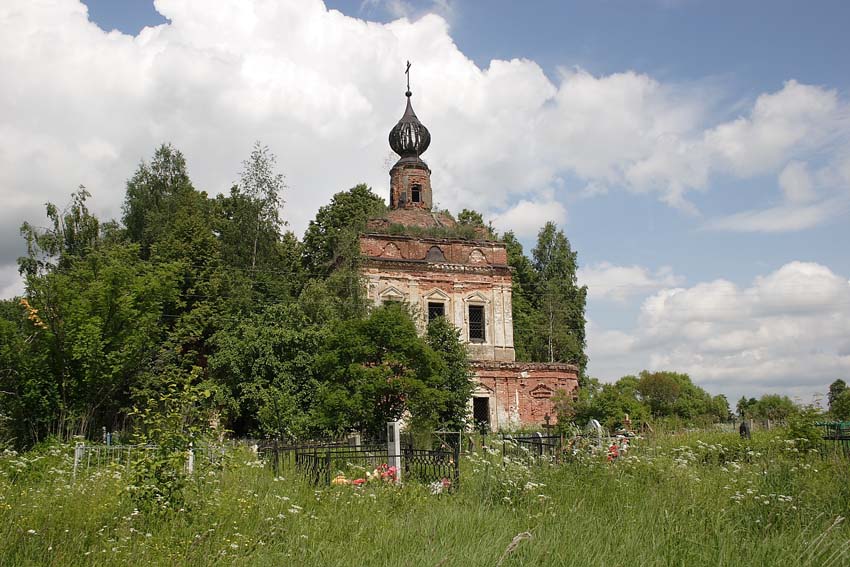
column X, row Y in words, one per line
column 683, row 499
column 322, row 462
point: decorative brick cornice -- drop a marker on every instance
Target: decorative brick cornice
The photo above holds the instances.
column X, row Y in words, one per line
column 523, row 366
column 402, row 264
column 434, row 240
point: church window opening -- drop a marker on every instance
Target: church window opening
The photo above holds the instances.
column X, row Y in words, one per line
column 481, row 413
column 436, row 309
column 415, row 193
column 476, row 323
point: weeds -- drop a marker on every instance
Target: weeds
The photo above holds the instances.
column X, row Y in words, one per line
column 709, row 499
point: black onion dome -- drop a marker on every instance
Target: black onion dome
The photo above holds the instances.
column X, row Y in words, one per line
column 409, row 137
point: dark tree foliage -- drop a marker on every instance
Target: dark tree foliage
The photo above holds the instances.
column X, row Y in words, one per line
column 153, row 195
column 374, row 370
column 840, row 407
column 73, row 234
column 773, row 407
column 444, row 339
column 93, row 315
column 561, row 301
column 526, row 318
column 266, row 364
column 548, row 303
column 836, row 389
column 650, row 396
column 333, row 233
column 475, row 221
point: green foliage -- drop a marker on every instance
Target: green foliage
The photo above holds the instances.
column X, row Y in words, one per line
column 267, row 363
column 250, row 226
column 561, row 301
column 171, row 425
column 773, row 407
column 457, row 232
column 444, row 339
column 154, row 194
column 548, row 303
column 836, row 391
column 474, row 219
column 802, row 428
column 374, row 370
column 684, row 499
column 650, row 395
column 28, row 397
column 334, row 230
column 674, row 394
column 840, row 406
column 73, row 234
column 526, row 317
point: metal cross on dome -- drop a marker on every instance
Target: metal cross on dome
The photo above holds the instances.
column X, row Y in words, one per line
column 407, row 72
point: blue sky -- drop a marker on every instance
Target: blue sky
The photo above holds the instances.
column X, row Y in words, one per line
column 696, row 153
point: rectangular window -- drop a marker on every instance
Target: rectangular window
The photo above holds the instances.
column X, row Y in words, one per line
column 414, row 193
column 476, row 324
column 436, row 309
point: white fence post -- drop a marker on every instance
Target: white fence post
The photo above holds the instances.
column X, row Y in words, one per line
column 190, row 463
column 78, row 455
column 394, row 447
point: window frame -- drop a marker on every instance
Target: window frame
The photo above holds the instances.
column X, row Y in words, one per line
column 469, row 308
column 441, row 304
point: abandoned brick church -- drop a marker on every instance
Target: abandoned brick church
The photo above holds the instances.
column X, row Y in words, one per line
column 466, row 280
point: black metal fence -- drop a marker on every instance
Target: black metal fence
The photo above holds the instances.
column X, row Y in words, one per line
column 321, row 463
column 532, row 445
column 283, row 457
column 836, row 437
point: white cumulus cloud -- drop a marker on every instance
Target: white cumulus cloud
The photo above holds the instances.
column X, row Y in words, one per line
column 608, row 281
column 82, row 106
column 787, row 331
column 526, row 218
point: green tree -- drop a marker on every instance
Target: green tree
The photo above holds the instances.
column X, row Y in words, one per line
column 267, row 363
column 837, row 388
column 94, row 313
column 660, row 391
column 153, row 195
column 840, row 407
column 28, row 394
column 73, row 233
column 374, row 370
column 252, row 227
column 475, row 221
column 774, row 407
column 561, row 301
column 335, row 229
column 444, row 339
column 526, row 317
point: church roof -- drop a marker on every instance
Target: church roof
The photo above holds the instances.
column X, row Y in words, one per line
column 409, row 138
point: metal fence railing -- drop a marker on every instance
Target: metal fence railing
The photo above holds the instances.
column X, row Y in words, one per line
column 123, row 457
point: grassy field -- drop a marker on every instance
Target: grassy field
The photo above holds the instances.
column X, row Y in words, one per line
column 707, row 499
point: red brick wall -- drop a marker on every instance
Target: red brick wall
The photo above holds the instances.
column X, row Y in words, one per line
column 402, row 178
column 521, row 391
column 479, row 253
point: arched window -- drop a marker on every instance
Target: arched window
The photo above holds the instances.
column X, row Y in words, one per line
column 416, row 194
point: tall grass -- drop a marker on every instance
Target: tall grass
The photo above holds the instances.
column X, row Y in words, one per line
column 710, row 499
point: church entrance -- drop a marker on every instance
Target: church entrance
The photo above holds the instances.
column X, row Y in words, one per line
column 481, row 412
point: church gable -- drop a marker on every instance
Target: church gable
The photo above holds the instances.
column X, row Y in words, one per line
column 392, row 293
column 437, row 295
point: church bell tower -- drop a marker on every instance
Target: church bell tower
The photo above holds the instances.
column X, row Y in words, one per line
column 410, row 177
